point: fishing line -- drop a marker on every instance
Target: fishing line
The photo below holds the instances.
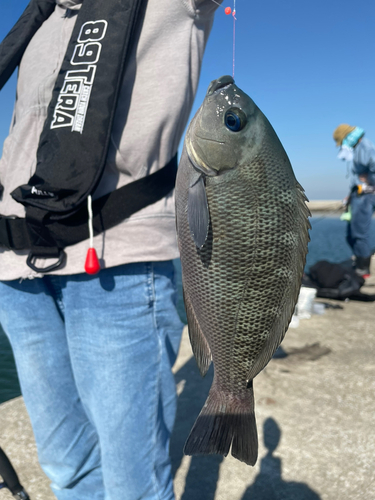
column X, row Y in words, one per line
column 330, row 213
column 234, row 34
column 218, row 4
column 229, row 11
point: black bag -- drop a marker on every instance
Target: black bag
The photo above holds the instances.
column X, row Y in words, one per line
column 335, row 281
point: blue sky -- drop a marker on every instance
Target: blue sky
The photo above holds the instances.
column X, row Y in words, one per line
column 309, row 66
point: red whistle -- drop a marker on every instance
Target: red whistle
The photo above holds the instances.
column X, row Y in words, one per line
column 92, row 265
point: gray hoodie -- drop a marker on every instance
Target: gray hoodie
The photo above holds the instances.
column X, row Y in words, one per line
column 148, row 125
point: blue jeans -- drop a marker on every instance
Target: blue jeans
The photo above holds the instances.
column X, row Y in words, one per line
column 358, row 232
column 94, row 357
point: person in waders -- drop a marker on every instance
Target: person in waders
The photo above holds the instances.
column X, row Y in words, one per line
column 87, row 233
column 360, row 153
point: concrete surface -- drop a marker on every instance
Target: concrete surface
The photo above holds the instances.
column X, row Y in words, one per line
column 315, row 411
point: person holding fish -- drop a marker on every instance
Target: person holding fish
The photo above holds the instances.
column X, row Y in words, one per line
column 360, row 153
column 104, row 93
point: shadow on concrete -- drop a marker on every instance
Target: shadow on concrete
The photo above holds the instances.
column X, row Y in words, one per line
column 9, row 384
column 269, row 485
column 203, row 473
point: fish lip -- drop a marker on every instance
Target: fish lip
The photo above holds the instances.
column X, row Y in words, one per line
column 220, row 84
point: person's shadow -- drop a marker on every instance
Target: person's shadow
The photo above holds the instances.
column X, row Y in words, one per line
column 269, row 485
column 203, row 474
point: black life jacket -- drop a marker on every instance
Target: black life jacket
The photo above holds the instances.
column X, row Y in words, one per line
column 74, row 142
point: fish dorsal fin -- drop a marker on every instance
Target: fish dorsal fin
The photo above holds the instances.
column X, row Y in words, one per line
column 280, row 327
column 199, row 344
column 198, row 214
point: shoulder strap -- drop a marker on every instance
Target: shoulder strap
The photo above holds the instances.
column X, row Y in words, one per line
column 14, row 44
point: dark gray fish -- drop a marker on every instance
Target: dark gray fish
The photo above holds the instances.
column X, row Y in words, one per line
column 242, row 227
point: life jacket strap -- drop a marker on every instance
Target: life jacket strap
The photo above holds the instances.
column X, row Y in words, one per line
column 14, row 44
column 47, row 238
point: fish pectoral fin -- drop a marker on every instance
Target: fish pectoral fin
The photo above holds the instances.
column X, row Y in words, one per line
column 198, row 214
column 199, row 344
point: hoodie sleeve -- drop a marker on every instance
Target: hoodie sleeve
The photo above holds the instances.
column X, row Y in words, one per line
column 206, row 7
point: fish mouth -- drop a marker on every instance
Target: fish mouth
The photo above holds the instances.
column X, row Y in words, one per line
column 219, row 84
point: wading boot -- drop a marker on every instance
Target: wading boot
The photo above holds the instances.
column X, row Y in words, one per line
column 362, row 266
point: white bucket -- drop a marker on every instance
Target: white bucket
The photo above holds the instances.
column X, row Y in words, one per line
column 305, row 304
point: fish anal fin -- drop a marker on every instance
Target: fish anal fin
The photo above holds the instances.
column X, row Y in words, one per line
column 199, row 344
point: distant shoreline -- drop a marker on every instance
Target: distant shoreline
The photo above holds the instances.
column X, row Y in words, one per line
column 325, row 206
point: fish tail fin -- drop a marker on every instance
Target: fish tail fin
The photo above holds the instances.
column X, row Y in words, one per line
column 225, row 420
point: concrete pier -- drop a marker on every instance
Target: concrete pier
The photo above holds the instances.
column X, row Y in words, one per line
column 325, row 206
column 315, row 411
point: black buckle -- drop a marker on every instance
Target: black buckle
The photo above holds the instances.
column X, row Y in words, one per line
column 61, row 258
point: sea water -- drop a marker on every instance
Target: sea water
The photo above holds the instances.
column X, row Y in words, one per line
column 327, row 243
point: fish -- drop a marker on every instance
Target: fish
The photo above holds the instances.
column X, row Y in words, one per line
column 243, row 231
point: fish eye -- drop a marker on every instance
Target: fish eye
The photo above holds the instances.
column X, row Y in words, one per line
column 234, row 119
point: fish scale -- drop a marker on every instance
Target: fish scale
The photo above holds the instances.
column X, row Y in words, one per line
column 245, row 280
column 241, row 285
